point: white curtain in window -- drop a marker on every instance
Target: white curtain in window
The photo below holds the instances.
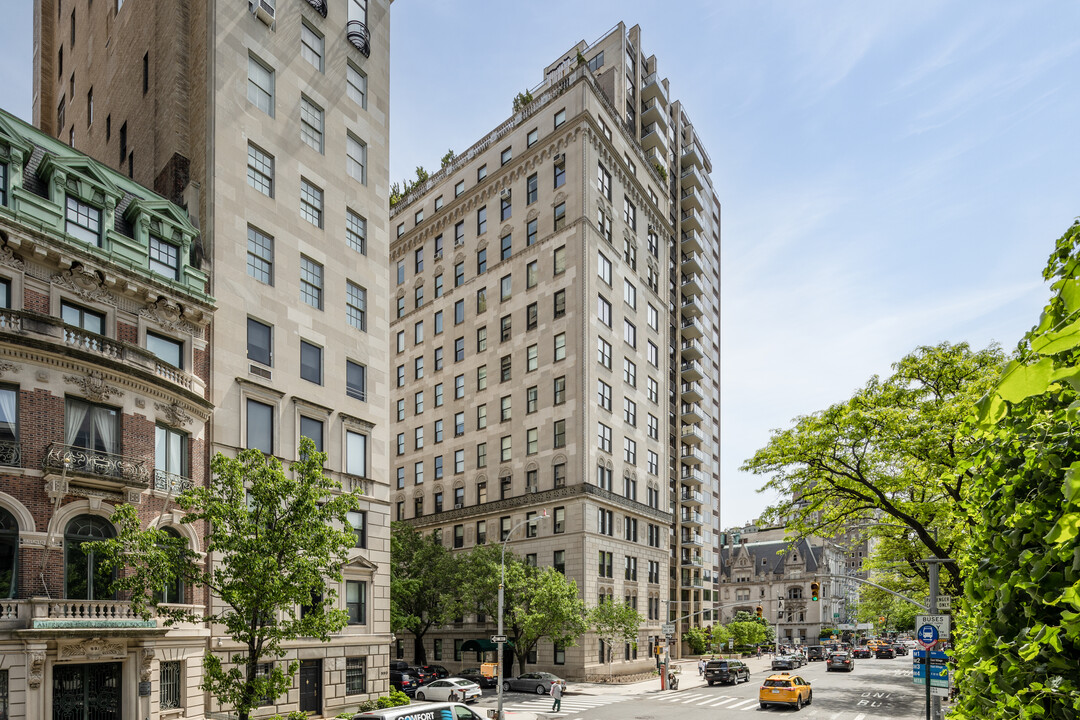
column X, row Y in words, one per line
column 8, row 419
column 105, row 428
column 73, row 420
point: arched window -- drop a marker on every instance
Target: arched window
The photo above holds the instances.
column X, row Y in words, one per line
column 173, row 592
column 9, row 554
column 794, row 593
column 84, row 576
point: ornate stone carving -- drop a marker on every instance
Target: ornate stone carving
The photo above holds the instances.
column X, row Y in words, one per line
column 169, row 315
column 6, row 367
column 174, row 414
column 94, row 386
column 134, row 497
column 85, row 283
column 92, row 649
column 147, row 660
column 8, row 257
column 36, row 663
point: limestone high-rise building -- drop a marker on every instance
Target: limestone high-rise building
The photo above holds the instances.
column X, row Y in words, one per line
column 556, row 333
column 268, row 121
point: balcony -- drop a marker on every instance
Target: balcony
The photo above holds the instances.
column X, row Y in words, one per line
column 691, row 539
column 690, row 307
column 691, row 350
column 691, row 476
column 690, row 286
column 688, row 263
column 691, row 561
column 691, row 220
column 358, row 34
column 691, row 455
column 691, row 241
column 654, row 89
column 652, row 111
column 170, row 482
column 11, row 453
column 691, row 370
column 689, row 517
column 690, row 156
column 691, row 497
column 692, row 434
column 690, row 392
column 85, row 466
column 691, row 329
column 319, row 5
column 691, row 413
column 691, row 178
column 691, row 200
column 652, row 138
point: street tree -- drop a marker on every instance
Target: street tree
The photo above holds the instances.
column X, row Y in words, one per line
column 696, row 638
column 892, row 456
column 615, row 622
column 425, row 585
column 875, row 603
column 1019, row 629
column 538, row 603
column 747, row 629
column 275, row 551
column 719, row 636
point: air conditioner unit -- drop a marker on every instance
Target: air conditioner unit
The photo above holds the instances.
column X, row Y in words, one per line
column 438, row 255
column 458, row 506
column 534, row 490
column 264, row 10
column 504, row 193
column 459, row 242
column 558, row 158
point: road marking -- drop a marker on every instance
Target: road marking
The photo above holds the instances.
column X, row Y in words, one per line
column 721, row 701
column 860, row 716
column 739, row 706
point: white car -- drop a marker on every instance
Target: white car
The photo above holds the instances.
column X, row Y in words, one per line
column 451, row 689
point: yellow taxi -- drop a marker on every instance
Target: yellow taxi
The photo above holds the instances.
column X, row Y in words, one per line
column 785, row 689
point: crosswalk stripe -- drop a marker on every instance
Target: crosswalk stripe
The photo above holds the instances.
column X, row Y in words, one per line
column 749, row 705
column 723, row 701
column 862, row 716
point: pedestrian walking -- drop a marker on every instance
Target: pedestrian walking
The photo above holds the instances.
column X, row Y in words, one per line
column 556, row 695
column 700, row 667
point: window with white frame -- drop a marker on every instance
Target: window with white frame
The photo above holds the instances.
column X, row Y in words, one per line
column 356, row 231
column 311, row 46
column 311, row 282
column 260, row 90
column 311, row 124
column 260, row 170
column 260, row 256
column 356, row 159
column 629, row 294
column 311, row 203
column 164, row 258
column 356, row 305
column 603, row 437
column 83, row 221
column 356, row 85
column 356, row 453
column 603, row 267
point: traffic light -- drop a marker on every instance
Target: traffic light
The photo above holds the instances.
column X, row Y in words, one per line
column 814, row 591
column 760, row 610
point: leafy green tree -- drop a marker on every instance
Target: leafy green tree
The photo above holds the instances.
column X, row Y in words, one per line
column 874, row 603
column 615, row 622
column 537, row 603
column 275, row 548
column 696, row 638
column 424, row 585
column 719, row 636
column 892, row 453
column 1019, row 633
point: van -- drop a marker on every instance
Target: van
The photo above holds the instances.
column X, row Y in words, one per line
column 422, row 711
column 815, row 652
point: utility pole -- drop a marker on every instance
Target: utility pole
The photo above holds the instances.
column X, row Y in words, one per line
column 933, row 703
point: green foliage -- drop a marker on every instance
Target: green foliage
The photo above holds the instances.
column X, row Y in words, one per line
column 891, row 453
column 522, row 99
column 748, row 629
column 696, row 638
column 294, row 715
column 399, row 191
column 580, row 58
column 660, row 170
column 719, row 636
column 1019, row 633
column 875, row 603
column 447, row 158
column 537, row 604
column 424, row 585
column 615, row 622
column 394, row 699
column 276, row 546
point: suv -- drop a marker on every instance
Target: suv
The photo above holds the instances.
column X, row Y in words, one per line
column 785, row 689
column 726, row 671
column 840, row 661
column 885, row 652
column 815, row 652
column 404, row 681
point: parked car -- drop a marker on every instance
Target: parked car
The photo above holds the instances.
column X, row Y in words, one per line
column 840, row 661
column 862, row 652
column 885, row 652
column 424, row 676
column 404, row 681
column 452, row 689
column 726, row 671
column 537, row 682
column 474, row 675
column 785, row 689
column 784, row 662
column 815, row 652
column 437, row 670
column 900, row 648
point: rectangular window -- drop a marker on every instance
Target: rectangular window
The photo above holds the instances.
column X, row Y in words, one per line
column 481, row 221
column 603, row 437
column 356, row 455
column 311, row 282
column 311, row 203
column 505, row 328
column 629, row 213
column 481, row 173
column 459, row 188
column 530, row 232
column 603, row 267
column 505, row 155
column 311, row 46
column 3, row 186
column 356, row 231
column 505, row 209
column 603, row 310
column 531, row 358
column 481, row 261
column 260, row 170
column 560, row 173
column 166, row 349
column 259, row 342
column 310, row 362
column 559, row 392
column 560, row 434
column 356, row 159
column 603, row 181
column 311, row 124
column 83, row 221
column 505, row 367
column 313, row 430
column 560, row 117
column 629, row 333
column 629, row 294
column 506, row 287
column 505, row 448
column 170, row 447
column 164, row 258
column 355, row 380
column 531, row 189
column 603, row 395
column 260, row 256
column 560, row 216
column 168, row 686
column 260, row 426
column 356, row 601
column 356, row 306
column 506, row 247
column 356, row 85
column 260, row 90
column 355, row 676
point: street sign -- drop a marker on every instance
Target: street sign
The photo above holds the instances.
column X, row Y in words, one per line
column 927, row 635
column 836, row 615
column 668, row 628
column 730, row 644
column 941, row 622
column 939, row 668
column 944, row 602
column 498, row 638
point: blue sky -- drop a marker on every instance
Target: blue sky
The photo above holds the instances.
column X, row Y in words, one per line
column 891, row 174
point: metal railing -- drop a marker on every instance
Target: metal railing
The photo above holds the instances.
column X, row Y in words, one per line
column 358, row 34
column 59, row 456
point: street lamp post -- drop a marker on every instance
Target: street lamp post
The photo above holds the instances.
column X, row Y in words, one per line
column 500, row 638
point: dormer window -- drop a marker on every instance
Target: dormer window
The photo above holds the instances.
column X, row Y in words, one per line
column 164, row 258
column 83, row 221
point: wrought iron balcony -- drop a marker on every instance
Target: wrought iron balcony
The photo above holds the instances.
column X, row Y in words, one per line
column 170, row 482
column 129, row 471
column 359, row 35
column 319, row 5
column 11, row 453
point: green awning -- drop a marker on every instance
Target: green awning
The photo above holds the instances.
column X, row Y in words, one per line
column 482, row 645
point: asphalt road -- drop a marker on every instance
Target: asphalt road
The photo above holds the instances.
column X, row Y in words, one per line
column 874, row 690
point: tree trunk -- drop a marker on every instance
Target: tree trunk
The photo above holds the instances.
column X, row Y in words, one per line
column 419, row 655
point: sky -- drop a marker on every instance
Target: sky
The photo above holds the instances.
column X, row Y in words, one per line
column 891, row 174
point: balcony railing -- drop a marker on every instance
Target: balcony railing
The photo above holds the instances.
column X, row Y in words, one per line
column 359, row 35
column 59, row 456
column 11, row 453
column 319, row 5
column 170, row 482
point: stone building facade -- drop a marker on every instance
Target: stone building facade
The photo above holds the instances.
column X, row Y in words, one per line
column 268, row 121
column 104, row 398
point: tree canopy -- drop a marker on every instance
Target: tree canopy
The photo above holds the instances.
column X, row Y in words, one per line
column 277, row 552
column 615, row 622
column 891, row 456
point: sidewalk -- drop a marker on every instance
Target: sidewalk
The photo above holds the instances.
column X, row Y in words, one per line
column 687, row 674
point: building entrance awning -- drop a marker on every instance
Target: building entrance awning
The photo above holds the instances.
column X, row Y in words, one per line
column 482, row 645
